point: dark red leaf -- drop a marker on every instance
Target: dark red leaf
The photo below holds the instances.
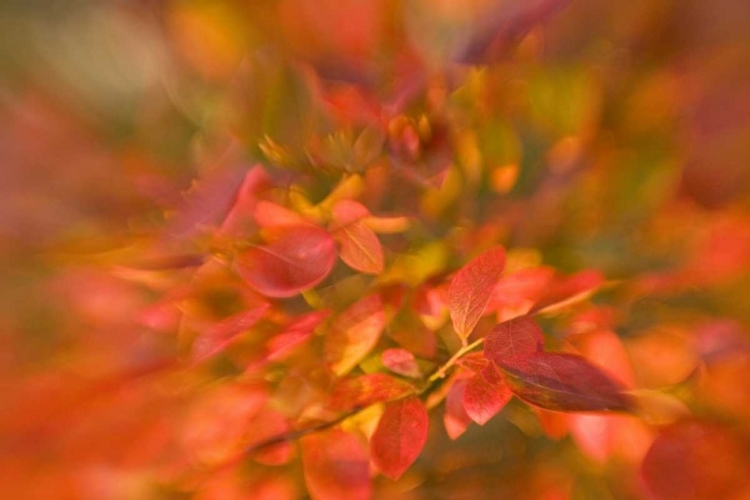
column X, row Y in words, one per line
column 400, row 361
column 360, row 247
column 354, row 333
column 368, row 389
column 297, row 258
column 563, row 382
column 455, row 419
column 471, row 289
column 336, row 466
column 516, row 337
column 485, row 395
column 696, row 460
column 219, row 336
column 400, row 436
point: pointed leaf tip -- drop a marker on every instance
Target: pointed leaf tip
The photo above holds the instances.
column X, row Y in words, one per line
column 563, row 382
column 471, row 289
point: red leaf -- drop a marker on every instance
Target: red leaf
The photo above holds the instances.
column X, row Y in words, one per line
column 455, row 419
column 569, row 290
column 298, row 258
column 400, row 436
column 354, row 333
column 363, row 391
column 471, row 289
column 516, row 337
column 696, row 460
column 360, row 247
column 294, row 334
column 401, row 361
column 219, row 336
column 336, row 466
column 485, row 395
column 563, row 382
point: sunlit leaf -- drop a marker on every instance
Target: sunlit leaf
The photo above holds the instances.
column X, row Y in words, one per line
column 400, row 436
column 336, row 466
column 563, row 382
column 297, row 258
column 360, row 247
column 354, row 333
column 471, row 289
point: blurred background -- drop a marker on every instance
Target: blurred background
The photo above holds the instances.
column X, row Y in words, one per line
column 583, row 134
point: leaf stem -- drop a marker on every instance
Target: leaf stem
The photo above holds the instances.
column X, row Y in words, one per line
column 440, row 372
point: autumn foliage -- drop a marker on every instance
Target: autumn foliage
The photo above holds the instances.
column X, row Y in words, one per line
column 362, row 249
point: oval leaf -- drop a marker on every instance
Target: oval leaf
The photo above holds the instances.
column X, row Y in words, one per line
column 401, row 361
column 563, row 382
column 360, row 247
column 516, row 337
column 297, row 259
column 485, row 395
column 471, row 289
column 400, row 436
column 336, row 466
column 354, row 333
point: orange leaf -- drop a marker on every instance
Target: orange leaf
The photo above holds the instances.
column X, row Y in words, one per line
column 360, row 247
column 298, row 258
column 269, row 214
column 471, row 289
column 336, row 466
column 400, row 436
column 354, row 333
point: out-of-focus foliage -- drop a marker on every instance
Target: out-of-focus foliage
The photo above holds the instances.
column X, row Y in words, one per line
column 234, row 234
